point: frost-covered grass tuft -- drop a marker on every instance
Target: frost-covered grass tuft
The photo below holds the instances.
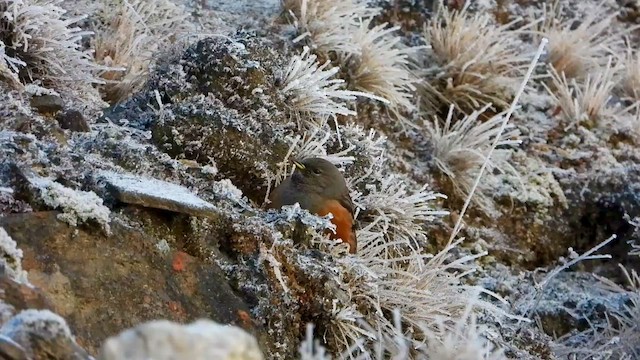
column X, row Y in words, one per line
column 11, row 258
column 422, row 288
column 379, row 65
column 572, row 50
column 77, row 206
column 326, row 24
column 129, row 34
column 312, row 89
column 584, row 101
column 476, row 61
column 311, row 349
column 635, row 247
column 630, row 81
column 372, row 57
column 465, row 340
column 39, row 43
column 460, row 148
column 451, row 338
column 399, row 212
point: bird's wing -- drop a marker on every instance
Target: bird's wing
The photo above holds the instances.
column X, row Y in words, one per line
column 347, row 203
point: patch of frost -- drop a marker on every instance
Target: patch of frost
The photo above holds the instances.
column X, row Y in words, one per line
column 77, row 205
column 155, row 188
column 44, row 323
column 11, row 258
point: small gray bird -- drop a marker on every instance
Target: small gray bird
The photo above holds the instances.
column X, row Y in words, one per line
column 319, row 187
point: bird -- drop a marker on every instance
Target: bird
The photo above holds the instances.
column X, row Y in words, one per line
column 318, row 186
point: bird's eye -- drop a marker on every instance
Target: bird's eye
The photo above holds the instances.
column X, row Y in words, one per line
column 315, row 171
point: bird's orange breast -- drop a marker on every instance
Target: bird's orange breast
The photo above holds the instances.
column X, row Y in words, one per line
column 343, row 220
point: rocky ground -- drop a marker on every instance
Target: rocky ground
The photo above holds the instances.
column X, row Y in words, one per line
column 132, row 188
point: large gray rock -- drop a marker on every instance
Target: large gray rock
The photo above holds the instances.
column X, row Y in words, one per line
column 40, row 334
column 165, row 340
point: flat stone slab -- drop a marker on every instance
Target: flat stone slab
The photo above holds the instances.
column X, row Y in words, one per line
column 157, row 194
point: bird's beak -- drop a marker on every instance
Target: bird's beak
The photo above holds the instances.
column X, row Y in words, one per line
column 298, row 164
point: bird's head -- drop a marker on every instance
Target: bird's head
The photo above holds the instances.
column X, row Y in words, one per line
column 319, row 176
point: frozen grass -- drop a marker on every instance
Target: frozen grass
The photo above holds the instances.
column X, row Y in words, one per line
column 372, row 57
column 476, row 61
column 399, row 212
column 575, row 51
column 326, row 24
column 129, row 35
column 630, row 77
column 7, row 74
column 635, row 247
column 466, row 340
column 426, row 290
column 39, row 43
column 460, row 148
column 455, row 338
column 505, row 122
column 312, row 89
column 380, row 66
column 585, row 102
column 311, row 349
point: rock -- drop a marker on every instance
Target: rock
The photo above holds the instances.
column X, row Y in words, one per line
column 77, row 206
column 570, row 301
column 599, row 201
column 19, row 296
column 42, row 335
column 165, row 340
column 11, row 350
column 244, row 150
column 47, row 104
column 118, row 281
column 9, row 204
column 577, row 300
column 73, row 120
column 157, row 194
column 220, row 104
